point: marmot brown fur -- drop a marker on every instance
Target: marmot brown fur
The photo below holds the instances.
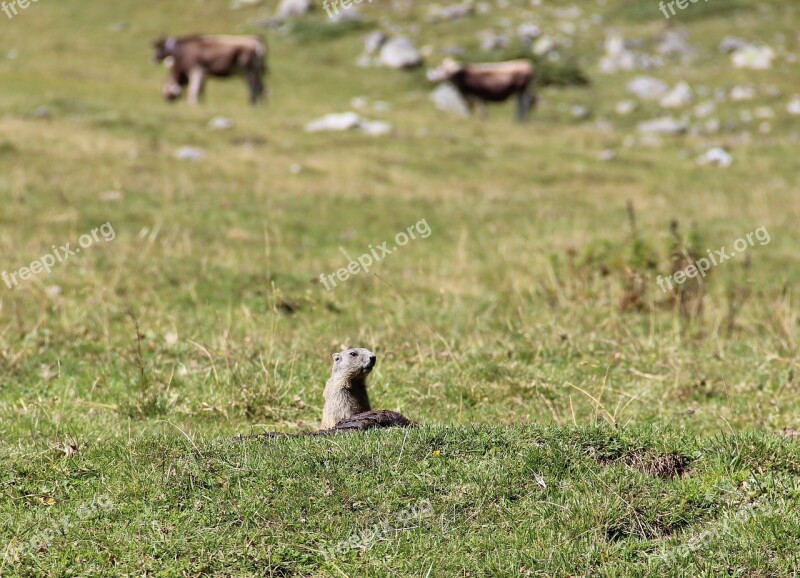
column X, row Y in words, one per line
column 347, row 406
column 346, row 391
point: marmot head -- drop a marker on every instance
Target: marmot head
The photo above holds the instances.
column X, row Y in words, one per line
column 353, row 363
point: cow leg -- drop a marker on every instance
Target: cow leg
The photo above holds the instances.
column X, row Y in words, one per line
column 527, row 100
column 197, row 81
column 256, row 85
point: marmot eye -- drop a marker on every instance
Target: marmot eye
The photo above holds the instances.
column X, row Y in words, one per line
column 353, row 354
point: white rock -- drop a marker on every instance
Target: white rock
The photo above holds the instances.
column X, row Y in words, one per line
column 580, row 112
column 448, row 99
column 190, row 154
column 675, row 42
column 716, row 156
column 448, row 13
column 399, row 53
column 647, row 87
column 344, row 121
column 625, row 107
column 730, row 44
column 359, row 102
column 755, row 57
column 292, row 8
column 742, row 93
column 374, row 41
column 375, row 127
column 490, row 40
column 793, row 107
column 705, row 109
column 679, row 97
column 617, row 56
column 543, row 45
column 528, row 32
column 335, row 122
column 220, row 123
column 665, row 125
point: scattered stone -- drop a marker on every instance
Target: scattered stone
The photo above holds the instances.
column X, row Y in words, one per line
column 42, row 112
column 190, row 154
column 580, row 112
column 544, row 45
column 650, row 141
column 374, row 42
column 764, row 113
column 220, row 123
column 665, row 125
column 295, row 168
column 340, row 122
column 679, row 97
column 449, row 13
column 569, row 13
column 716, row 156
column 446, row 98
column 335, row 122
column 742, row 93
column 731, row 44
column 625, row 107
column 647, row 87
column 375, row 127
column 675, row 42
column 359, row 102
column 617, row 56
column 765, row 128
column 705, row 109
column 528, row 32
column 293, row 8
column 111, row 196
column 490, row 41
column 606, row 155
column 754, row 57
column 347, row 15
column 400, row 53
column 53, row 291
column 793, row 107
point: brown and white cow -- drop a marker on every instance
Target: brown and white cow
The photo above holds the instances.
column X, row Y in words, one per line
column 192, row 59
column 492, row 82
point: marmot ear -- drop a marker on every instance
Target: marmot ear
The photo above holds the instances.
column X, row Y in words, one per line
column 336, row 357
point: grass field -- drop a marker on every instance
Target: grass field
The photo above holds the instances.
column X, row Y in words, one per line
column 576, row 420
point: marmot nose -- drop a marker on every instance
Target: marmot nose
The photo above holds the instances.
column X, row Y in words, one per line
column 371, row 360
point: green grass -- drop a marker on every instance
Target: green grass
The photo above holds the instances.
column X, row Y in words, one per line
column 526, row 333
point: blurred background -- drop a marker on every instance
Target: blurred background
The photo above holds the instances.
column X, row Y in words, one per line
column 535, row 297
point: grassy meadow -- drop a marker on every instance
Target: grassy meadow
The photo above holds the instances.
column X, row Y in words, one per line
column 576, row 420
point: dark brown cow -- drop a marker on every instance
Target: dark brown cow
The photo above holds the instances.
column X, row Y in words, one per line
column 495, row 82
column 192, row 59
